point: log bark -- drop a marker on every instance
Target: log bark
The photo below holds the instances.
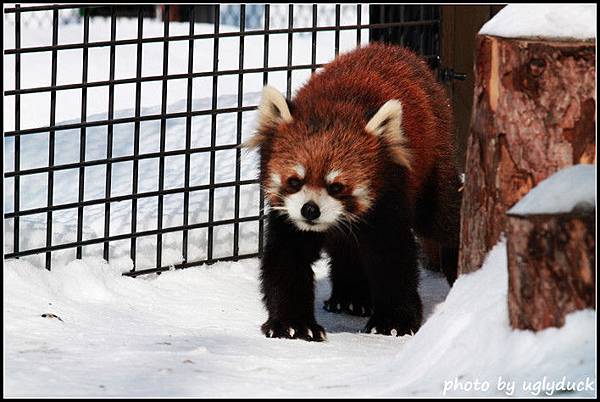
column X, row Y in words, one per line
column 533, row 114
column 551, row 268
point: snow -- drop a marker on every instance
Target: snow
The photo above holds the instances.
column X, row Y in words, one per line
column 196, row 332
column 568, row 189
column 544, row 21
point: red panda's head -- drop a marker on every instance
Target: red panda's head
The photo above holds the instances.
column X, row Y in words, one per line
column 324, row 169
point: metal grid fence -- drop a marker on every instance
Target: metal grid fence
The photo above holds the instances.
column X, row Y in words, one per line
column 428, row 27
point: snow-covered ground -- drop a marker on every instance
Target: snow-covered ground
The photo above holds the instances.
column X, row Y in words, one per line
column 84, row 330
column 195, row 332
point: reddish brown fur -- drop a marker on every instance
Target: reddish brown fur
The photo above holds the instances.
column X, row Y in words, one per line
column 338, row 101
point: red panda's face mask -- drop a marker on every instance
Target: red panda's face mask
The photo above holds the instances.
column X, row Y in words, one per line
column 314, row 200
column 322, row 179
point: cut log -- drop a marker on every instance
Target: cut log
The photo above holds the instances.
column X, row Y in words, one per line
column 551, row 248
column 551, row 268
column 533, row 114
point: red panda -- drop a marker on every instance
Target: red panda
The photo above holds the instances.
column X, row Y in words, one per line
column 360, row 161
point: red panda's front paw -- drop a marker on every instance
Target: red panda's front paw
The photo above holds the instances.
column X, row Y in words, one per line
column 308, row 331
column 391, row 324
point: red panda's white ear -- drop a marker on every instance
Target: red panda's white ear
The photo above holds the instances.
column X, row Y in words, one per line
column 387, row 123
column 272, row 111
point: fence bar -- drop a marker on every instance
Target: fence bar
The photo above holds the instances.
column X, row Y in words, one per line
column 213, row 135
column 175, row 38
column 51, row 140
column 17, row 181
column 337, row 31
column 358, row 17
column 129, row 235
column 97, row 162
column 109, row 134
column 188, row 137
column 313, row 56
column 261, row 226
column 136, row 137
column 127, row 197
column 238, row 151
column 82, row 135
column 163, row 127
column 189, row 264
column 288, row 92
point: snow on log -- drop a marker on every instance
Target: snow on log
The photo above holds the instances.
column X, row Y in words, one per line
column 551, row 247
column 533, row 114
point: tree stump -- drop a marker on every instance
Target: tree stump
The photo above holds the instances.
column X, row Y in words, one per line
column 551, row 244
column 551, row 268
column 533, row 114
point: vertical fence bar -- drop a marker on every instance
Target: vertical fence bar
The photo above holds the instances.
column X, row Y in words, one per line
column 422, row 31
column 238, row 151
column 188, row 135
column 17, row 151
column 213, row 137
column 401, row 29
column 109, row 134
column 136, row 136
column 82, row 135
column 358, row 22
column 163, row 127
column 313, row 58
column 51, row 138
column 337, row 29
column 261, row 213
column 288, row 92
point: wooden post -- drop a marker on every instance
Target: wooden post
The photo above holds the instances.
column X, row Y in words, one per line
column 551, row 268
column 533, row 114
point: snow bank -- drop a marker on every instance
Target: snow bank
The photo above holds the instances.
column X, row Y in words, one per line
column 195, row 332
column 544, row 21
column 468, row 339
column 562, row 192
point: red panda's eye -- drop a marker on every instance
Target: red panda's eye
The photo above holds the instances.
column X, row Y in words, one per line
column 294, row 183
column 335, row 188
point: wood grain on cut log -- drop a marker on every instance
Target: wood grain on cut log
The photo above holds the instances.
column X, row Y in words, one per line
column 533, row 114
column 551, row 268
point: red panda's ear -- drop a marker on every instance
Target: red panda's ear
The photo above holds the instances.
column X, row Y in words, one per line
column 272, row 111
column 387, row 123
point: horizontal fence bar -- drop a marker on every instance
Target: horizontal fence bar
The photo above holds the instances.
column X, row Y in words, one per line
column 128, row 158
column 26, row 9
column 126, row 236
column 159, row 78
column 127, row 197
column 190, row 264
column 219, row 35
column 123, row 120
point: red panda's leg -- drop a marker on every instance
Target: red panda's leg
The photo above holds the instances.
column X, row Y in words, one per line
column 349, row 288
column 438, row 219
column 388, row 252
column 287, row 280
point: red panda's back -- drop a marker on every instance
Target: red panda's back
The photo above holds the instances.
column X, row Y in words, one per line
column 364, row 79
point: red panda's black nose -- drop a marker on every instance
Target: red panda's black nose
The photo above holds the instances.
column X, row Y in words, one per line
column 310, row 211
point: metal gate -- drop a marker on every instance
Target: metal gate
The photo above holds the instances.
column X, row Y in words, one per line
column 414, row 26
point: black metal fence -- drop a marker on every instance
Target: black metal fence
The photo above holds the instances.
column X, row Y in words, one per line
column 415, row 26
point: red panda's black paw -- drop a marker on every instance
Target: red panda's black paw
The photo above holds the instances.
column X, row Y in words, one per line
column 361, row 309
column 311, row 331
column 390, row 325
